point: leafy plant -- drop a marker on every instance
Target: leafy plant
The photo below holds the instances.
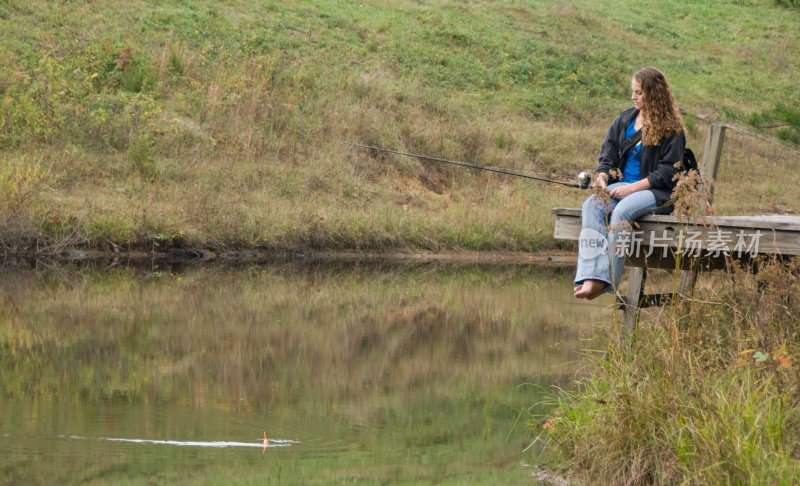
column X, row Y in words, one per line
column 19, row 181
column 782, row 120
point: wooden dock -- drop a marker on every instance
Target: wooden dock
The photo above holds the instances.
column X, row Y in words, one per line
column 659, row 239
column 702, row 243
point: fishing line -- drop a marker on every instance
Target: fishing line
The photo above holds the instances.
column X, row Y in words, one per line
column 584, row 178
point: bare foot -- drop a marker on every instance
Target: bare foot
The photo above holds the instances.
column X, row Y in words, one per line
column 590, row 289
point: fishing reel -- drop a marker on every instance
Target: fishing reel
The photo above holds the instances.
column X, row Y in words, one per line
column 584, row 180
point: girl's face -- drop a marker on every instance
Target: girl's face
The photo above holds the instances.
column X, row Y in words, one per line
column 637, row 95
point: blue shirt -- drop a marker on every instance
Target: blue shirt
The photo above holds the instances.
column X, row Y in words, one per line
column 633, row 158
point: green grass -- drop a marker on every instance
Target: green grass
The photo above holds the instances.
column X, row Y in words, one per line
column 229, row 121
column 706, row 394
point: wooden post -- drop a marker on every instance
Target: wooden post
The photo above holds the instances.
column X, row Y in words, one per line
column 688, row 279
column 711, row 156
column 636, row 279
column 708, row 168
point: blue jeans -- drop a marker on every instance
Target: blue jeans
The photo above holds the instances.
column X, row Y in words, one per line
column 598, row 257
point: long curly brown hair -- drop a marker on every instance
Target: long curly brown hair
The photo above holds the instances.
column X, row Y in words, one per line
column 662, row 117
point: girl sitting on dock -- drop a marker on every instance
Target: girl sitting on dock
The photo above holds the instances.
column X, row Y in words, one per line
column 635, row 176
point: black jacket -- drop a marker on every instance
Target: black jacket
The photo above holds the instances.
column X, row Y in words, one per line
column 657, row 161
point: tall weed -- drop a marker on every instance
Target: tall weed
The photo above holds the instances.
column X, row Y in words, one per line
column 20, row 183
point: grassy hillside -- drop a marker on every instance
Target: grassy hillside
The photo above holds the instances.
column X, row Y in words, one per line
column 227, row 124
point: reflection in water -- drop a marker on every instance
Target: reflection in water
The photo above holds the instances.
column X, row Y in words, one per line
column 380, row 373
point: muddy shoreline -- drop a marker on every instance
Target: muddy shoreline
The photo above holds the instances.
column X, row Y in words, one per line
column 296, row 254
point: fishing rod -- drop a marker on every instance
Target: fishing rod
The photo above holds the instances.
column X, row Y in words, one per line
column 584, row 178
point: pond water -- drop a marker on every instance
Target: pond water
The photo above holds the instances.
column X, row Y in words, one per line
column 357, row 373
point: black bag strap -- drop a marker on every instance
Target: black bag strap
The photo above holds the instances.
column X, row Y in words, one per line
column 689, row 161
column 630, row 142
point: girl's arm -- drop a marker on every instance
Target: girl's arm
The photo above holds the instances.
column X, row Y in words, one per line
column 628, row 189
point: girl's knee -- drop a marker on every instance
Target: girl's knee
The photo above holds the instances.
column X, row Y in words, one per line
column 593, row 204
column 620, row 218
